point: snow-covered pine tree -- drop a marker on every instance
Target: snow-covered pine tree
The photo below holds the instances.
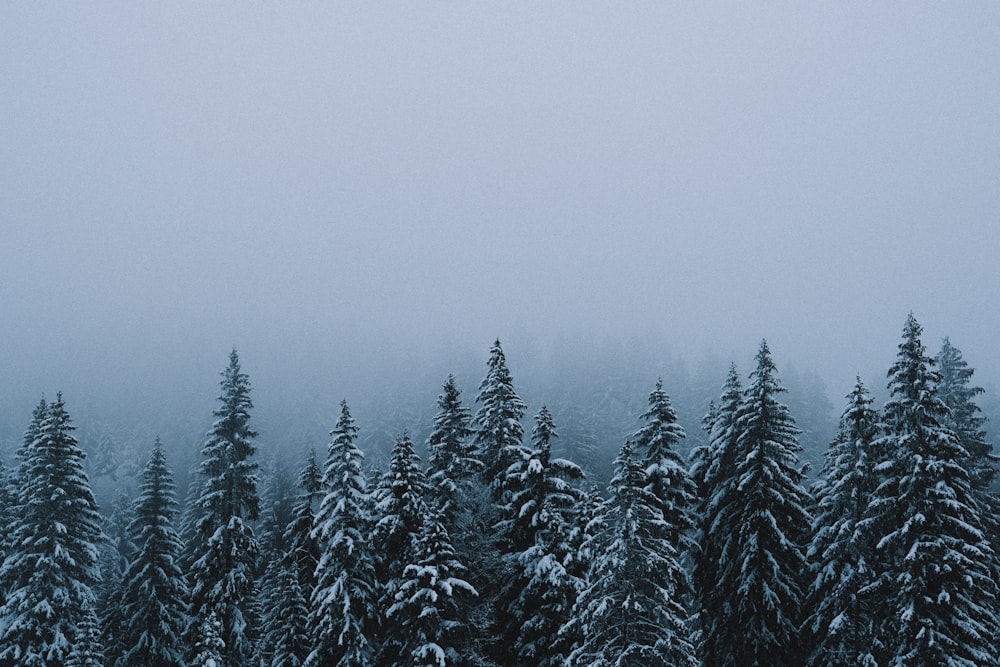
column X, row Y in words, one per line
column 115, row 553
column 498, row 431
column 343, row 604
column 87, row 652
column 584, row 541
column 8, row 516
column 538, row 599
column 933, row 596
column 223, row 576
column 965, row 418
column 279, row 499
column 400, row 510
column 53, row 569
column 498, row 443
column 628, row 615
column 718, row 516
column 19, row 499
column 428, row 610
column 766, row 568
column 153, row 600
column 209, row 647
column 657, row 443
column 287, row 640
column 967, row 421
column 452, row 464
column 839, row 625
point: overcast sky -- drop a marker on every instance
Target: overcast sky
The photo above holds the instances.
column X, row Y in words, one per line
column 308, row 180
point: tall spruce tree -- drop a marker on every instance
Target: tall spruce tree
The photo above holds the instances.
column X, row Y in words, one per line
column 53, row 569
column 966, row 419
column 657, row 443
column 769, row 567
column 153, row 600
column 538, row 598
column 343, row 604
column 400, row 510
column 429, row 604
column 223, row 576
column 933, row 596
column 839, row 624
column 452, row 464
column 498, row 440
column 628, row 615
column 499, row 433
column 718, row 517
column 287, row 641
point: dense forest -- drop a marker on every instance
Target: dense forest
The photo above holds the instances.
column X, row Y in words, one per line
column 764, row 533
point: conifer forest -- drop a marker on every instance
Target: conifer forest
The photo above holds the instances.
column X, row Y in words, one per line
column 486, row 543
column 499, row 334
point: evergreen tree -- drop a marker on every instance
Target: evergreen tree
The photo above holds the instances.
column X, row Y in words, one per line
column 53, row 570
column 629, row 614
column 287, row 639
column 839, row 623
column 115, row 553
column 429, row 604
column 154, row 596
column 933, row 595
column 290, row 644
column 223, row 576
column 718, row 514
column 499, row 434
column 87, row 651
column 966, row 420
column 400, row 511
column 499, row 443
column 343, row 602
column 273, row 561
column 209, row 648
column 452, row 462
column 768, row 568
column 657, row 443
column 538, row 599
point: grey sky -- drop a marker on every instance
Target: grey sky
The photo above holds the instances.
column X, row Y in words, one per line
column 308, row 180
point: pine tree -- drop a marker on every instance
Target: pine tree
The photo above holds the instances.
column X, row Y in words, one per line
column 290, row 644
column 223, row 576
column 499, row 434
column 87, row 650
column 718, row 517
column 115, row 553
column 933, row 594
column 452, row 462
column 343, row 602
column 966, row 420
column 499, row 443
column 209, row 647
column 629, row 614
column 839, row 623
column 154, row 596
column 657, row 443
column 538, row 599
column 287, row 641
column 429, row 604
column 53, row 570
column 768, row 568
column 19, row 498
column 400, row 510
column 271, row 590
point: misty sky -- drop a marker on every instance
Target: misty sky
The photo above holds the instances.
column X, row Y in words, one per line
column 310, row 181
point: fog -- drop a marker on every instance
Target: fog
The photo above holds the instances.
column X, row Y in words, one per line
column 361, row 197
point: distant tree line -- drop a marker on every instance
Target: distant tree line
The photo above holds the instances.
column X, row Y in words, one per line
column 499, row 552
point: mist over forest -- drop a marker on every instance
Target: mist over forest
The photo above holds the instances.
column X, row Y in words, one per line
column 244, row 247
